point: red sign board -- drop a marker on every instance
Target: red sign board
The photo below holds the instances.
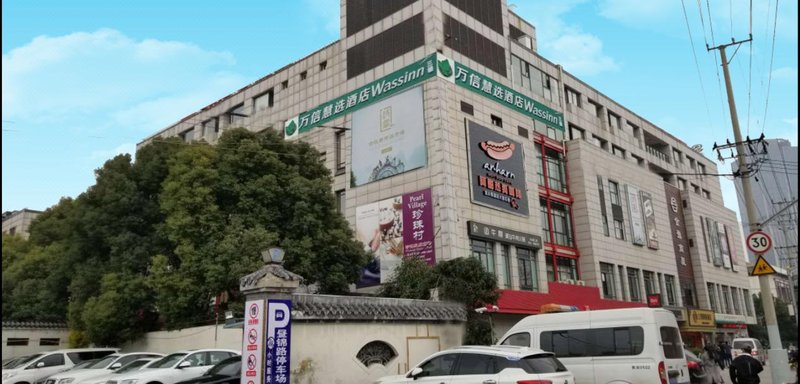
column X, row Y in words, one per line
column 654, row 300
column 734, row 326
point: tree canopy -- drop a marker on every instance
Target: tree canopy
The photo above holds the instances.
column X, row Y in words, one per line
column 155, row 240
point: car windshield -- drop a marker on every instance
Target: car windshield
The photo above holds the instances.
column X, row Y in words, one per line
column 545, row 363
column 231, row 366
column 671, row 343
column 85, row 364
column 16, row 362
column 739, row 344
column 133, row 365
column 102, row 363
column 168, row 361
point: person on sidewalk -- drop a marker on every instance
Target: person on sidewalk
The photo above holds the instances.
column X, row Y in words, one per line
column 745, row 368
column 710, row 366
column 726, row 349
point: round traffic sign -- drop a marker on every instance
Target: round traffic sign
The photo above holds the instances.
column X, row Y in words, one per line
column 759, row 242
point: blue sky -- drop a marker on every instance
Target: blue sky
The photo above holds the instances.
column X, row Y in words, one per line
column 86, row 80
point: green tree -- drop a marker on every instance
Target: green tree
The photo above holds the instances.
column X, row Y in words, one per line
column 121, row 311
column 786, row 324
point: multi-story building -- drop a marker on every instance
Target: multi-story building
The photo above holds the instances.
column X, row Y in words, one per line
column 18, row 222
column 449, row 136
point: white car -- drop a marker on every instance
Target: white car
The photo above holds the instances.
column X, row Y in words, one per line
column 126, row 369
column 486, row 364
column 102, row 367
column 41, row 365
column 181, row 365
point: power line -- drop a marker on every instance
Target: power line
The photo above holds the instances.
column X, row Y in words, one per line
column 696, row 62
column 771, row 61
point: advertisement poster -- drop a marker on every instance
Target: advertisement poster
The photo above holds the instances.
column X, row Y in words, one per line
column 497, row 172
column 635, row 214
column 723, row 246
column 649, row 220
column 394, row 228
column 389, row 138
column 713, row 242
column 278, row 342
column 252, row 343
column 680, row 241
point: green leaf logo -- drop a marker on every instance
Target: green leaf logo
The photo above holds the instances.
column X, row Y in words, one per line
column 291, row 128
column 444, row 68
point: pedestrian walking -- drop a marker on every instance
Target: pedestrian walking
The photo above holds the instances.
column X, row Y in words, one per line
column 719, row 355
column 711, row 365
column 726, row 350
column 745, row 368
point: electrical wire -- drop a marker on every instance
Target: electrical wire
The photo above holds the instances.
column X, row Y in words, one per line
column 771, row 61
column 697, row 63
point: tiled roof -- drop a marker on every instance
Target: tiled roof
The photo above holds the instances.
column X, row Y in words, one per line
column 355, row 308
column 34, row 324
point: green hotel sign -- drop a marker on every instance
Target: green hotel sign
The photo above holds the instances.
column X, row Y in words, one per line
column 433, row 65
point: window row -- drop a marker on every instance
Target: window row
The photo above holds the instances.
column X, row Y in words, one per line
column 730, row 300
column 22, row 341
column 528, row 77
column 632, row 284
column 498, row 260
column 538, row 127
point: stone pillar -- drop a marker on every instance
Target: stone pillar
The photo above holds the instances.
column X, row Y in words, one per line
column 271, row 281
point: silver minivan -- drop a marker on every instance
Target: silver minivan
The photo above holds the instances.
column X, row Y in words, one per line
column 759, row 352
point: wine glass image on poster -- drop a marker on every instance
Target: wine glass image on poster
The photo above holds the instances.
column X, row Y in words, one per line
column 380, row 227
column 389, row 138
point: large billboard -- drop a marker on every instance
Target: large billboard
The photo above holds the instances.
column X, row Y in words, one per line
column 680, row 241
column 394, row 228
column 723, row 246
column 649, row 220
column 389, row 138
column 635, row 214
column 497, row 172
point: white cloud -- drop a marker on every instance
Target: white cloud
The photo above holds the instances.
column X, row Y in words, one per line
column 579, row 52
column 64, row 79
column 785, row 73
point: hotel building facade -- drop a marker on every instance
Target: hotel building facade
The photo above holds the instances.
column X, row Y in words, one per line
column 449, row 136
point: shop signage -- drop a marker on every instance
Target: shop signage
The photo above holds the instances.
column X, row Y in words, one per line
column 701, row 318
column 680, row 242
column 416, row 73
column 278, row 342
column 649, row 220
column 502, row 235
column 733, row 326
column 479, row 83
column 392, row 229
column 497, row 172
column 252, row 345
column 724, row 318
column 654, row 300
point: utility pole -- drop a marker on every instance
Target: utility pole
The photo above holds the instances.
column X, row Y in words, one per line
column 778, row 358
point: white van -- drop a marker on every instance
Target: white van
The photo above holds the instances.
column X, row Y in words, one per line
column 41, row 365
column 632, row 345
column 758, row 350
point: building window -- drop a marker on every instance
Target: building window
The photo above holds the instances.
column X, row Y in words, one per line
column 737, row 308
column 688, row 294
column 696, row 189
column 340, row 200
column 669, row 281
column 556, row 178
column 747, row 309
column 677, row 156
column 567, row 268
column 681, row 184
column 613, row 121
column 573, row 97
column 264, row 101
column 303, row 75
column 636, row 130
column 526, row 264
column 712, row 301
column 726, row 299
column 16, row 341
column 545, row 220
column 701, row 169
column 522, row 132
column 210, row 125
column 576, row 133
column 49, row 341
column 504, row 273
column 323, row 65
column 707, row 194
column 613, row 191
column 531, row 78
column 551, row 273
column 562, row 228
column 187, row 136
column 619, row 229
column 599, row 142
column 617, row 151
column 649, row 282
column 484, row 252
column 633, row 284
column 12, row 231
column 285, row 84
column 497, row 121
column 607, row 280
column 467, row 108
column 376, row 352
column 236, row 116
column 595, row 108
column 340, row 158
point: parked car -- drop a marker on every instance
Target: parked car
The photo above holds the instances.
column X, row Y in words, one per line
column 631, row 345
column 697, row 372
column 486, row 364
column 181, row 365
column 228, row 371
column 102, row 367
column 42, row 365
column 13, row 362
column 123, row 370
column 759, row 352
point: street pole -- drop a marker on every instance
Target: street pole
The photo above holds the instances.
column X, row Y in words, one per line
column 778, row 359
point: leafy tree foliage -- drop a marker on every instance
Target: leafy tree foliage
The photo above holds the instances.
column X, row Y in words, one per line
column 463, row 280
column 154, row 241
column 786, row 324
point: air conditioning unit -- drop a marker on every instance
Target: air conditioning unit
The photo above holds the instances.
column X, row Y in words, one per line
column 581, row 283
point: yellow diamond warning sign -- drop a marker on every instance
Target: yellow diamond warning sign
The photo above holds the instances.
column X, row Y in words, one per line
column 762, row 267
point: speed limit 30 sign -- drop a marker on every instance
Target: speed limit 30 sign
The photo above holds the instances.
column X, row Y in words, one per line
column 759, row 242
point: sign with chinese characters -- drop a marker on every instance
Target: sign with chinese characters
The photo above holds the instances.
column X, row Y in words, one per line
column 361, row 97
column 654, row 300
column 635, row 213
column 252, row 342
column 723, row 246
column 278, row 342
column 388, row 138
column 680, row 241
column 497, row 172
column 701, row 318
column 649, row 220
column 502, row 235
column 484, row 85
column 394, row 228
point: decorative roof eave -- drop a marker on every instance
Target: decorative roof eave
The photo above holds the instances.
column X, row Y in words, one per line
column 360, row 308
column 34, row 325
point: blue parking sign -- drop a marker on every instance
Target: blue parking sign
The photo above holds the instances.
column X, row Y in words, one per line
column 278, row 342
